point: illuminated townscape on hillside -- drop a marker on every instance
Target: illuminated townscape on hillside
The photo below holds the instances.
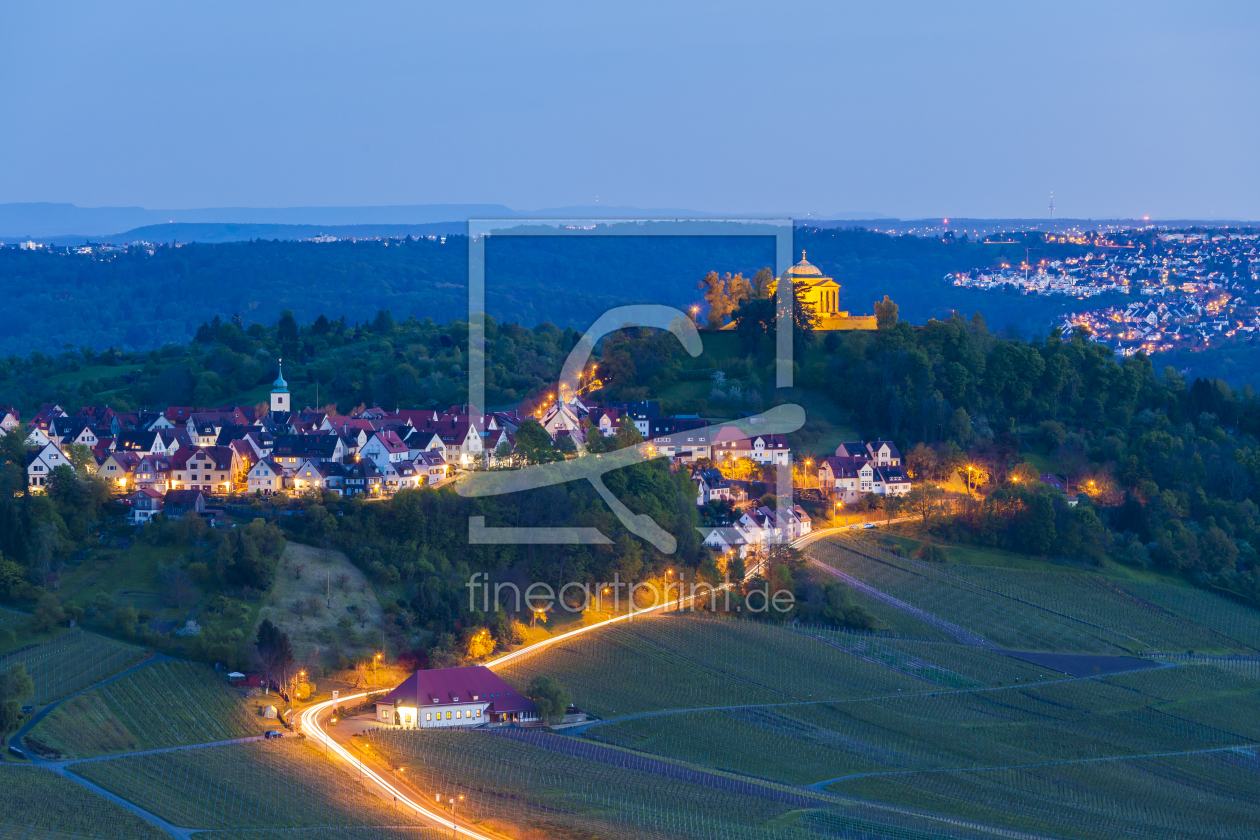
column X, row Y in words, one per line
column 1190, row 291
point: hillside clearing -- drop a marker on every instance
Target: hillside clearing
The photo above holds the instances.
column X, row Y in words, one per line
column 313, row 589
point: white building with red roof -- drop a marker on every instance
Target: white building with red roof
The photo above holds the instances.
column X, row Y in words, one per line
column 384, row 447
column 455, row 697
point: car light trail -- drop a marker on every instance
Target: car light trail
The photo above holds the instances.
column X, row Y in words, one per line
column 308, row 720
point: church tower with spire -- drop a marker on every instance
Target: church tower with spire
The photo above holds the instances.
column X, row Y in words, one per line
column 280, row 399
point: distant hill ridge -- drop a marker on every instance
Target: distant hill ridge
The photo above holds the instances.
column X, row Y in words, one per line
column 66, row 223
column 212, row 233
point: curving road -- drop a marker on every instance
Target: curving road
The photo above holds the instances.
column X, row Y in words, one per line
column 310, row 723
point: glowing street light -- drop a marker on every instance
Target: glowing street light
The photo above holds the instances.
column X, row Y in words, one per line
column 453, row 802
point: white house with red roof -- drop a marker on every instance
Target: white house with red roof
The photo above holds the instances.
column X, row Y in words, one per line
column 384, row 447
column 455, row 697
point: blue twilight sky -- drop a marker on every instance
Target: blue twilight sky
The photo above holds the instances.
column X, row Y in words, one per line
column 910, row 109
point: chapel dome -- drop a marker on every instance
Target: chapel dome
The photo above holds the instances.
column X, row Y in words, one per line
column 804, row 268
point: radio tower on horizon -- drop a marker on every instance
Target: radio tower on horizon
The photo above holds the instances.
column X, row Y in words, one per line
column 1052, row 205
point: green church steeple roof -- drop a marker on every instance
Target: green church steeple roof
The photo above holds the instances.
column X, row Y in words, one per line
column 280, row 384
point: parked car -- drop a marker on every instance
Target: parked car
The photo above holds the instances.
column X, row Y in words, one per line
column 869, row 525
column 272, row 733
column 27, row 710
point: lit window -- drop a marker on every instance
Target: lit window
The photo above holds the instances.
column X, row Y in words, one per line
column 428, row 715
column 448, row 715
column 457, row 714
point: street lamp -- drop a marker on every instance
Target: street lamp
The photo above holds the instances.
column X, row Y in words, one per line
column 396, row 771
column 453, row 802
column 375, row 659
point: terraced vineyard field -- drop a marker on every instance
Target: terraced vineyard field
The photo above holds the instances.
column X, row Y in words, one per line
column 1206, row 796
column 1065, row 720
column 71, row 661
column 38, row 804
column 558, row 787
column 946, row 665
column 1067, row 611
column 258, row 785
column 1234, row 621
column 899, row 623
column 1007, row 701
column 677, row 662
column 165, row 704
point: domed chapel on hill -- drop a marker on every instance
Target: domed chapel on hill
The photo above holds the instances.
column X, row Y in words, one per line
column 823, row 294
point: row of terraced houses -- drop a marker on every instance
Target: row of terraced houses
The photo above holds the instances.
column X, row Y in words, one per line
column 199, row 453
